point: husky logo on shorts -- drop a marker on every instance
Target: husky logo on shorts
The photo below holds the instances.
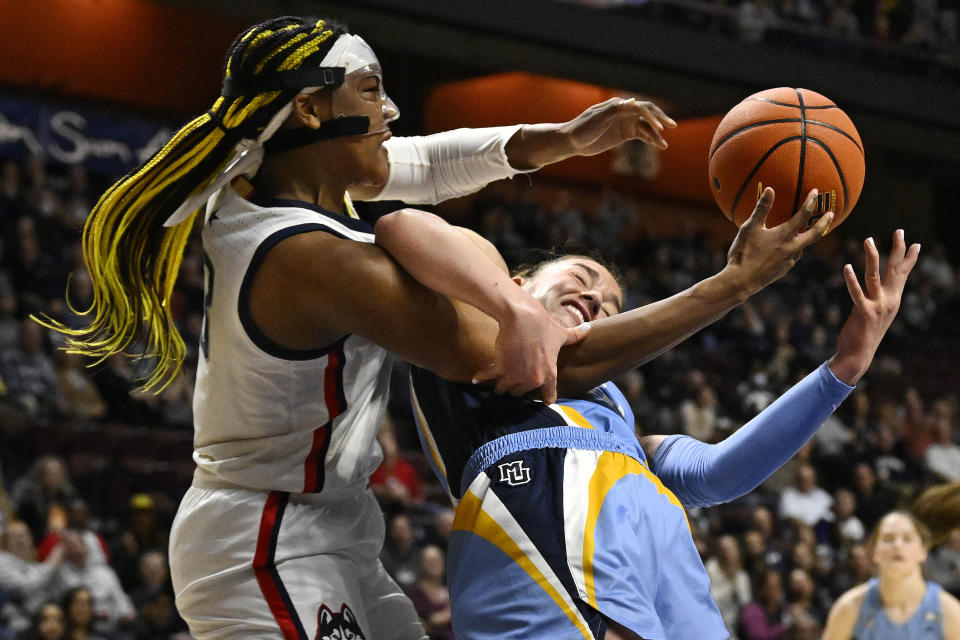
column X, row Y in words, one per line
column 514, row 473
column 337, row 626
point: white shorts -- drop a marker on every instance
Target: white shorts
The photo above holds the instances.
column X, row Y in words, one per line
column 252, row 564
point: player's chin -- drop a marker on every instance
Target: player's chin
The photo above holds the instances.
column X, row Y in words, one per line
column 375, row 176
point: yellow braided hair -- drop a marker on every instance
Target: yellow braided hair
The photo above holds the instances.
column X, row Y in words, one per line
column 132, row 258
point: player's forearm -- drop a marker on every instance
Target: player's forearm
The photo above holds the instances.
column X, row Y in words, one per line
column 443, row 258
column 627, row 340
column 450, row 164
column 536, row 145
column 701, row 474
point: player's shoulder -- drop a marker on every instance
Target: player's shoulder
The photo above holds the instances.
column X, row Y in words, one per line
column 856, row 595
column 844, row 613
column 950, row 606
column 853, row 599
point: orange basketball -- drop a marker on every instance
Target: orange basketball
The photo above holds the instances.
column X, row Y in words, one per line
column 793, row 140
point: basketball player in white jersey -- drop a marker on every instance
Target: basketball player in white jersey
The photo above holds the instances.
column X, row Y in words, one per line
column 279, row 535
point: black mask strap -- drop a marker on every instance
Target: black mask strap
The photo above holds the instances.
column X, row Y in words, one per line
column 302, row 136
column 293, row 79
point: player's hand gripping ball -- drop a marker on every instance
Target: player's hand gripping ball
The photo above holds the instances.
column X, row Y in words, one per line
column 793, row 140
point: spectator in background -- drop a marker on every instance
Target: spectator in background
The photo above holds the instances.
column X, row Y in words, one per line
column 935, row 267
column 401, row 553
column 841, row 19
column 35, row 275
column 110, row 604
column 78, row 520
column 114, row 379
column 79, row 397
column 699, row 414
column 499, row 229
column 42, row 495
column 566, row 226
column 855, row 568
column 80, row 616
column 861, row 424
column 767, row 616
column 942, row 458
column 76, row 199
column 10, row 206
column 889, row 459
column 395, row 483
column 833, row 438
column 430, row 596
column 154, row 574
column 847, row 528
column 618, row 214
column 806, row 502
column 142, row 533
column 49, row 623
column 441, row 526
column 872, row 500
column 803, row 598
column 729, row 582
column 28, row 583
column 29, row 373
column 916, row 435
column 158, row 618
column 759, row 553
column 920, row 307
column 9, row 325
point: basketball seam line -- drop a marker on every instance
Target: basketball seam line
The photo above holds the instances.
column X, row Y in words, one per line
column 747, row 127
column 803, row 150
column 795, row 106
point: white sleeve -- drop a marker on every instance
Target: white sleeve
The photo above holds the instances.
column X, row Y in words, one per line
column 434, row 168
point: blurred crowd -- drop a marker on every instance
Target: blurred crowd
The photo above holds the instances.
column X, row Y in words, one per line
column 92, row 469
column 919, row 35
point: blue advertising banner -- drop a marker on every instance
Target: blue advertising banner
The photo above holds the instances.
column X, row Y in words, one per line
column 103, row 142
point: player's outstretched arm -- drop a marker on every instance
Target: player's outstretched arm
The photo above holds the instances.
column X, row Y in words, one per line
column 600, row 128
column 434, row 168
column 702, row 474
column 757, row 257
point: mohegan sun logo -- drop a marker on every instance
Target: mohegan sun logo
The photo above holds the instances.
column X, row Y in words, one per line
column 338, row 626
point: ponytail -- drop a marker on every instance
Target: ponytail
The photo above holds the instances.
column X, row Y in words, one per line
column 132, row 258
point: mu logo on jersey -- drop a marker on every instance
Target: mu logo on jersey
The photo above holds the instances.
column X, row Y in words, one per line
column 514, row 473
column 337, row 626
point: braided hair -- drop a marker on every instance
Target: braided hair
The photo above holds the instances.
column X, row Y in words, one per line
column 132, row 258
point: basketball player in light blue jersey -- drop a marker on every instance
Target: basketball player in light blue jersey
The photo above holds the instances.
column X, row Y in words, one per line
column 567, row 526
column 898, row 604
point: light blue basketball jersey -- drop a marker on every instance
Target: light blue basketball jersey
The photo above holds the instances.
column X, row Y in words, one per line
column 874, row 624
column 560, row 522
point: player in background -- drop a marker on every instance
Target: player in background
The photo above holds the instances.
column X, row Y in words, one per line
column 898, row 604
column 562, row 531
column 279, row 535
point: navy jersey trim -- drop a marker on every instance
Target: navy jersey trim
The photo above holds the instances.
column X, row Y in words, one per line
column 243, row 300
column 355, row 224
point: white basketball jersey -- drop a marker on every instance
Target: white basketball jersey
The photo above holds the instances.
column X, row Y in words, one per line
column 267, row 417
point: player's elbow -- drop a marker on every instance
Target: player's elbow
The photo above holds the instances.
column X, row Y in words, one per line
column 389, row 226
